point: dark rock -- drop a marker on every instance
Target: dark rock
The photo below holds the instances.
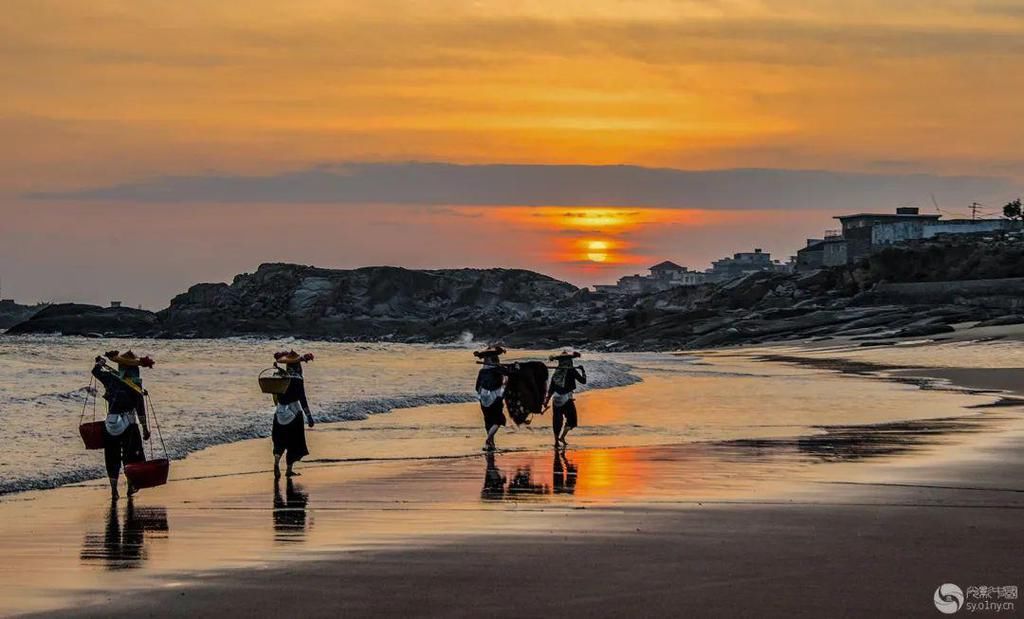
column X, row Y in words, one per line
column 912, row 291
column 88, row 320
column 1011, row 319
column 12, row 313
column 924, row 330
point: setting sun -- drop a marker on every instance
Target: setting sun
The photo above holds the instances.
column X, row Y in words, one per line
column 598, row 251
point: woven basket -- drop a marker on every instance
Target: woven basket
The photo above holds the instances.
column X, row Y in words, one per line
column 275, row 384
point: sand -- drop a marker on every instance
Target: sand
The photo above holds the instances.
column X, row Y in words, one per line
column 854, row 522
column 861, row 550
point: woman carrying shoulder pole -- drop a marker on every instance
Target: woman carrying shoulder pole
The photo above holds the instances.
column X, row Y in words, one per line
column 288, row 435
column 122, row 441
column 560, row 393
column 490, row 389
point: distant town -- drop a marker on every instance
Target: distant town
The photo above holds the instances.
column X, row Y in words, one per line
column 860, row 234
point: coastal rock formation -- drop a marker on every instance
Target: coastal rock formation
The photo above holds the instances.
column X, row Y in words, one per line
column 371, row 302
column 12, row 313
column 920, row 289
column 88, row 320
column 912, row 291
column 368, row 303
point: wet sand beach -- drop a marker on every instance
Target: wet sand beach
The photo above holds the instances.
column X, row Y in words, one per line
column 852, row 519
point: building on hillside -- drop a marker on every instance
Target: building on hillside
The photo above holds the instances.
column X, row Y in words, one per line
column 664, row 275
column 741, row 264
column 670, row 275
column 858, row 229
column 864, row 233
column 899, row 232
column 819, row 253
column 811, row 256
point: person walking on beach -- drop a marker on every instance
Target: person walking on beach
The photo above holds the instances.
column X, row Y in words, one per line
column 560, row 393
column 490, row 389
column 288, row 435
column 122, row 441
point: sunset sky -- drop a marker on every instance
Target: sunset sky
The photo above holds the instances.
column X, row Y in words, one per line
column 151, row 145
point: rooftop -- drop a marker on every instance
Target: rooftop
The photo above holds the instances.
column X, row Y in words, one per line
column 886, row 216
column 668, row 264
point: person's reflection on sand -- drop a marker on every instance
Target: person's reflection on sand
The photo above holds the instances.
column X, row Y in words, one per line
column 564, row 474
column 290, row 512
column 494, row 481
column 123, row 547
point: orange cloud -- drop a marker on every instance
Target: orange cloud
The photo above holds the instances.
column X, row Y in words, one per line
column 122, row 89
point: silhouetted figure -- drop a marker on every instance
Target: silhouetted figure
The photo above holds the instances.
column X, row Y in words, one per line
column 490, row 390
column 290, row 512
column 122, row 389
column 288, row 434
column 560, row 394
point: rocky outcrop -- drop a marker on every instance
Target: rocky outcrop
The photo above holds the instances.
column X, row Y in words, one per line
column 12, row 313
column 89, row 320
column 918, row 290
column 871, row 301
column 372, row 302
column 368, row 303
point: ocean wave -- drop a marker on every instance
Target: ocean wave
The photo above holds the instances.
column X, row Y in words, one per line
column 44, row 399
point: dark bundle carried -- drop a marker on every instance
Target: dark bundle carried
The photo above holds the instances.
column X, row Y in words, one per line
column 525, row 390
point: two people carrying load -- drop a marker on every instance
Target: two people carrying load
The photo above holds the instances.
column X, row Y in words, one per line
column 523, row 388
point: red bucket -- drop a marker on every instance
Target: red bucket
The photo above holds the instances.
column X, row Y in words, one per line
column 148, row 474
column 92, row 434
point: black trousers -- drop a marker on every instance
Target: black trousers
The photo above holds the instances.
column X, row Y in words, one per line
column 564, row 414
column 125, row 447
column 494, row 415
column 290, row 439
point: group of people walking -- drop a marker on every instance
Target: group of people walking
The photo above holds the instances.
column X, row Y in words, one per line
column 126, row 425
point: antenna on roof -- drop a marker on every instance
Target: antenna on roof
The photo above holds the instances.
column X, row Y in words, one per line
column 936, row 203
column 974, row 210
